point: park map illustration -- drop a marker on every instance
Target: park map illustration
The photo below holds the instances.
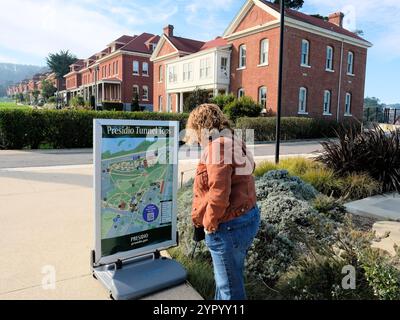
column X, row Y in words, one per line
column 137, row 185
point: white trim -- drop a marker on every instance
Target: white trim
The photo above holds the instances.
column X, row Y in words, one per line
column 326, row 114
column 330, row 70
column 305, row 66
column 241, row 68
column 302, row 112
column 264, row 27
column 348, row 115
column 243, row 12
column 200, row 53
column 351, row 74
column 263, row 65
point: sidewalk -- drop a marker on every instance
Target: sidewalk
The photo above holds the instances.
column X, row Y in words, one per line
column 47, row 224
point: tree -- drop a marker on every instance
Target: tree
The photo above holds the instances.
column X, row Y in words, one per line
column 293, row 4
column 317, row 15
column 222, row 100
column 35, row 95
column 195, row 98
column 242, row 107
column 48, row 90
column 59, row 63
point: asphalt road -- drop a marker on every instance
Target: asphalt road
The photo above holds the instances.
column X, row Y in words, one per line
column 45, row 158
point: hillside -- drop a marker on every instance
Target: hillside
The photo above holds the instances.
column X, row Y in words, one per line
column 12, row 73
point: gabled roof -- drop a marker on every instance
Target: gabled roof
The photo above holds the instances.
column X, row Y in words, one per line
column 138, row 44
column 217, row 42
column 313, row 20
column 185, row 44
column 124, row 39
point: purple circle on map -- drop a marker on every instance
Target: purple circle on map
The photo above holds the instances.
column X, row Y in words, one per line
column 150, row 213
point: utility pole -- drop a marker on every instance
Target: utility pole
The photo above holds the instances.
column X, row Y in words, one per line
column 280, row 84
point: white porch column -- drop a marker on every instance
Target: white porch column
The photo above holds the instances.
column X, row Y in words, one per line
column 181, row 102
column 177, row 108
column 168, row 103
column 102, row 93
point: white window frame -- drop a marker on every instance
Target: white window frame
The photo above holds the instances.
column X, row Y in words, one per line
column 347, row 104
column 145, row 69
column 187, row 71
column 224, row 67
column 145, row 94
column 329, row 58
column 160, row 73
column 302, row 107
column 240, row 93
column 172, row 77
column 264, row 52
column 160, row 103
column 135, row 86
column 305, row 54
column 262, row 96
column 327, row 103
column 350, row 63
column 135, row 67
column 242, row 56
column 205, row 66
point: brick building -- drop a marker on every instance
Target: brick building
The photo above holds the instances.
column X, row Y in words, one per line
column 324, row 64
column 117, row 73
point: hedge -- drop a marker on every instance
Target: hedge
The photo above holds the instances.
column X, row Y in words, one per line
column 58, row 129
column 291, row 128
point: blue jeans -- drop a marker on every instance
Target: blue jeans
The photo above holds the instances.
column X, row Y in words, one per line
column 228, row 247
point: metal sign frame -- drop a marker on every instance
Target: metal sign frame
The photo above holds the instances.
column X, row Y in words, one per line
column 97, row 151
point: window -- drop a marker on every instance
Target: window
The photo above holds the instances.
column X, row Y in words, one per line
column 145, row 95
column 303, row 100
column 153, row 46
column 329, row 58
column 160, row 74
column 109, row 69
column 264, row 48
column 160, row 103
column 205, row 68
column 187, row 71
column 347, row 108
column 350, row 63
column 327, row 102
column 242, row 56
column 145, row 69
column 240, row 92
column 224, row 66
column 172, row 76
column 262, row 97
column 135, row 92
column 116, row 67
column 135, row 67
column 305, row 52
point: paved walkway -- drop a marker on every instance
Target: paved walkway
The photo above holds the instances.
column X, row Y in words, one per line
column 385, row 208
column 47, row 224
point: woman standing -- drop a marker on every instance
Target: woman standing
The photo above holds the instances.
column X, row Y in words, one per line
column 224, row 202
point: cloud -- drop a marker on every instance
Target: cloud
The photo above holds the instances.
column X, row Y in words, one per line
column 379, row 19
column 38, row 27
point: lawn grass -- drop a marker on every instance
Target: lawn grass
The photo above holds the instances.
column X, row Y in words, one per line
column 12, row 105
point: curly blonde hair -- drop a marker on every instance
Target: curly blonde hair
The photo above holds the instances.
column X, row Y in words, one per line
column 203, row 120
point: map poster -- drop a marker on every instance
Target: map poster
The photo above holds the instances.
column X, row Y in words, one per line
column 135, row 186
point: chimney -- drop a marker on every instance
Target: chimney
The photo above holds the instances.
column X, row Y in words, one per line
column 336, row 18
column 169, row 30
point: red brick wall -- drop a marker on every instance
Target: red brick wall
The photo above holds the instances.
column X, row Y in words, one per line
column 253, row 77
column 316, row 79
column 254, row 17
column 129, row 80
column 73, row 81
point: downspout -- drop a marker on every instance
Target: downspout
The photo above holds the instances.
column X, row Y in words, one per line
column 340, row 84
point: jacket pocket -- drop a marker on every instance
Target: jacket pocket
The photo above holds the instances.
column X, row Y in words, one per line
column 202, row 179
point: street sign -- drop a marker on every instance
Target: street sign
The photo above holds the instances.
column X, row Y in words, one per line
column 135, row 186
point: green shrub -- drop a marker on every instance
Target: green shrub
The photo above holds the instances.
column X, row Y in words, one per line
column 330, row 207
column 348, row 187
column 51, row 99
column 221, row 100
column 62, row 128
column 77, row 101
column 113, row 106
column 374, row 152
column 291, row 128
column 242, row 107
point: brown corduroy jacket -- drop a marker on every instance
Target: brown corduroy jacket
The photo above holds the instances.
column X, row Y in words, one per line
column 224, row 186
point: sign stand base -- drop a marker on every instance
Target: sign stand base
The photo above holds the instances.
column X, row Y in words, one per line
column 133, row 279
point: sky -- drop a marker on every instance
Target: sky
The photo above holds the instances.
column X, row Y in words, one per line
column 30, row 29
